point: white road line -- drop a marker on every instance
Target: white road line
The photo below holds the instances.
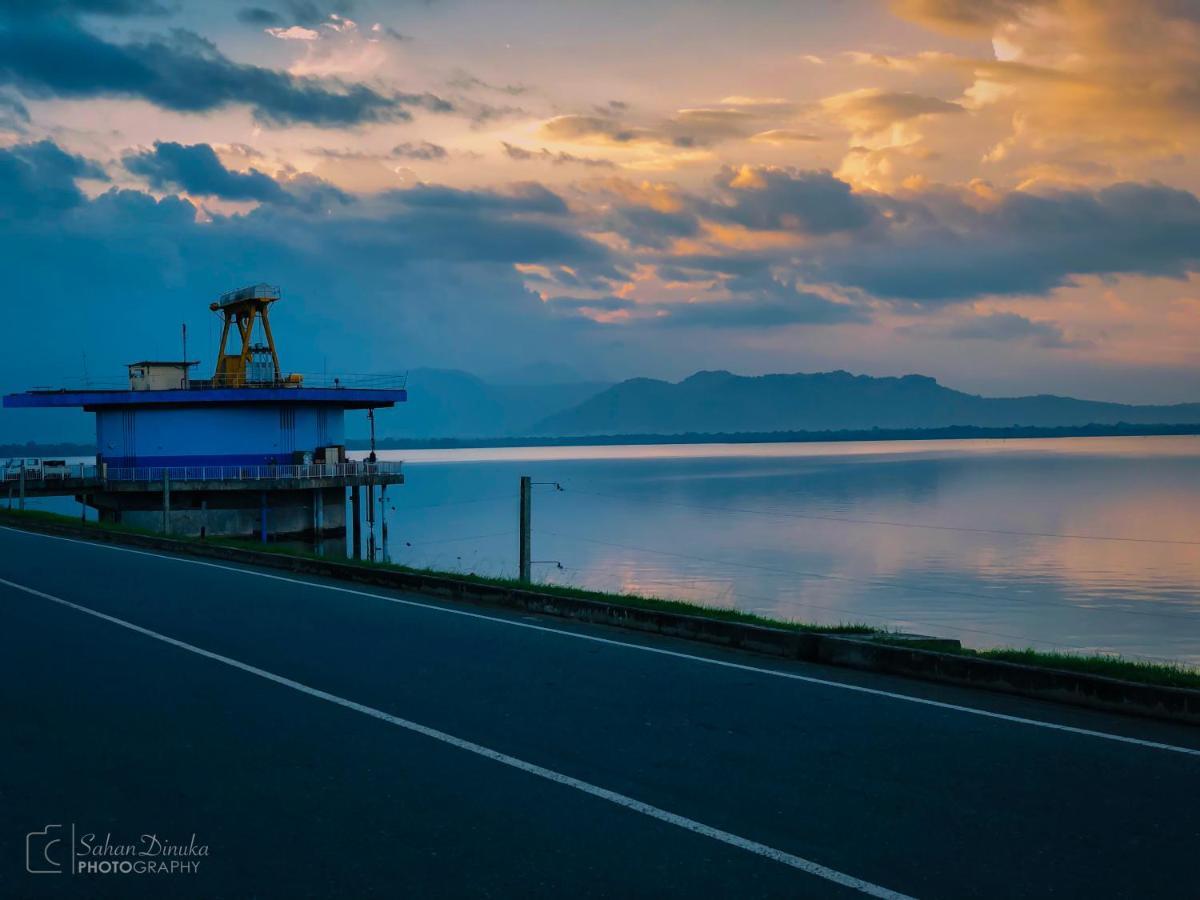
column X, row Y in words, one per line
column 716, row 834
column 758, row 670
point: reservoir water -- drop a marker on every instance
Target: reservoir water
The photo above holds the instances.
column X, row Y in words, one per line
column 1089, row 544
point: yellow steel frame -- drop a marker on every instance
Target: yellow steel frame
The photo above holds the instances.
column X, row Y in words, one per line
column 231, row 367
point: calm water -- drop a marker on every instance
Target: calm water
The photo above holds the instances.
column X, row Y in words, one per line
column 1089, row 544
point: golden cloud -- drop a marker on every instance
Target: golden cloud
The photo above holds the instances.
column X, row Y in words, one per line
column 1109, row 82
column 869, row 111
column 784, row 136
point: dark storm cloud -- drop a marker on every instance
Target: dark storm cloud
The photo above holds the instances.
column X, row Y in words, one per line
column 813, row 202
column 942, row 250
column 117, row 8
column 607, row 303
column 294, row 12
column 645, row 227
column 259, row 16
column 939, row 246
column 196, row 169
column 752, row 307
column 525, row 224
column 184, row 73
column 800, row 309
column 526, row 197
column 1009, row 327
column 39, row 180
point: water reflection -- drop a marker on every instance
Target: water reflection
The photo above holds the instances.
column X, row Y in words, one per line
column 1088, row 544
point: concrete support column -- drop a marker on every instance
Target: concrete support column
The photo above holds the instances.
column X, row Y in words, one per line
column 356, row 521
column 383, row 522
column 166, row 528
column 318, row 513
column 262, row 515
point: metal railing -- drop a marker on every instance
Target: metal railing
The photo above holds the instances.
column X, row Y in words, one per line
column 250, row 473
column 382, row 382
column 107, row 473
column 43, row 472
column 379, row 382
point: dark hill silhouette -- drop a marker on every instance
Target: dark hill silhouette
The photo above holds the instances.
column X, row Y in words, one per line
column 723, row 402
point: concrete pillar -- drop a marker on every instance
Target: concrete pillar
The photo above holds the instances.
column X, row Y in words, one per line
column 383, row 522
column 356, row 521
column 22, row 505
column 371, row 521
column 318, row 513
column 166, row 526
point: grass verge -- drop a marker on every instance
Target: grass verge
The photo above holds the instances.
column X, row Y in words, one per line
column 1111, row 666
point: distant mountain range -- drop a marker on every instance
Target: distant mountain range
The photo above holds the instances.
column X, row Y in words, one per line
column 541, row 403
column 449, row 402
column 711, row 402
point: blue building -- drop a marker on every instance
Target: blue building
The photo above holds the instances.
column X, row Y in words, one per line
column 248, row 451
column 216, row 426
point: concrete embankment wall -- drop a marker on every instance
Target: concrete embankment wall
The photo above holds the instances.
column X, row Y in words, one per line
column 287, row 514
column 1074, row 688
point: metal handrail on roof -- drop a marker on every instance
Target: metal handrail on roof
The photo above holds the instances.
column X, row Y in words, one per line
column 260, row 291
column 380, row 382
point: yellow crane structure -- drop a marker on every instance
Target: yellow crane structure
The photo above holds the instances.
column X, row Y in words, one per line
column 252, row 363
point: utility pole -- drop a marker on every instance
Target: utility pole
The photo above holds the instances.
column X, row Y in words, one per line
column 526, row 502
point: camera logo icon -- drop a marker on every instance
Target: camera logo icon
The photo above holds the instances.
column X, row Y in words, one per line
column 44, row 851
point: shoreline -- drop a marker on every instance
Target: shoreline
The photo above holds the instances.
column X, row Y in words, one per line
column 1113, row 683
column 882, row 435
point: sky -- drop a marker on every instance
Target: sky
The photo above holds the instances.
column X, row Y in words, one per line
column 1001, row 194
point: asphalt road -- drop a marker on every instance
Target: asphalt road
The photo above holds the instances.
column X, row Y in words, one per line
column 322, row 741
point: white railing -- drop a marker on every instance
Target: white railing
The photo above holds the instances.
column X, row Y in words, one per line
column 203, row 473
column 43, row 472
column 250, row 473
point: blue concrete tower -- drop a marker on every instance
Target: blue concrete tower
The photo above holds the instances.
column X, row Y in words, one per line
column 248, row 414
column 248, row 440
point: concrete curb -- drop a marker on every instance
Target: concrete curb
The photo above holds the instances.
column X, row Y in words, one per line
column 1073, row 688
